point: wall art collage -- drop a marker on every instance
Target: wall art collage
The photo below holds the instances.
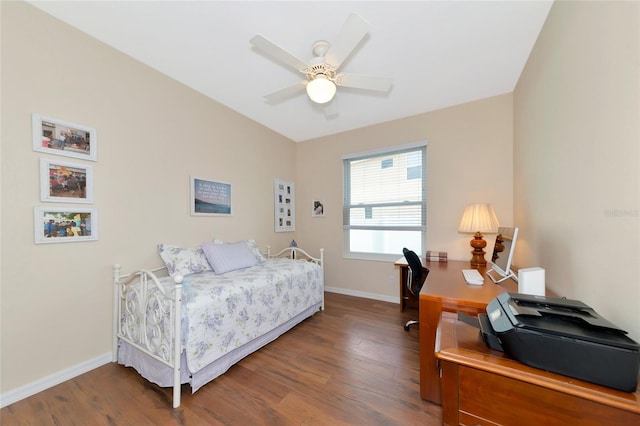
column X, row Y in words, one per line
column 65, row 181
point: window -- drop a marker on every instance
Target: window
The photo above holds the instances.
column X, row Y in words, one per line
column 385, row 202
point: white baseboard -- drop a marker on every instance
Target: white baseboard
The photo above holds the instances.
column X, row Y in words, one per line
column 33, row 388
column 355, row 293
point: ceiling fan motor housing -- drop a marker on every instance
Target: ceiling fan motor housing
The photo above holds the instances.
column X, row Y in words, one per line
column 314, row 71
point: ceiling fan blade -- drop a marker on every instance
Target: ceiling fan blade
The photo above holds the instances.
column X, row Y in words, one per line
column 352, row 32
column 360, row 81
column 276, row 52
column 286, row 92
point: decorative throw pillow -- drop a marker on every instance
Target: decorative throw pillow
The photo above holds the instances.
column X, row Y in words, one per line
column 229, row 257
column 181, row 261
column 253, row 248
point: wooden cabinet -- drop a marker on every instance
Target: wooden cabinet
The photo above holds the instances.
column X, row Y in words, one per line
column 485, row 387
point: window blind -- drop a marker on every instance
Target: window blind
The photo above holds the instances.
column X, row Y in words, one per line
column 385, row 200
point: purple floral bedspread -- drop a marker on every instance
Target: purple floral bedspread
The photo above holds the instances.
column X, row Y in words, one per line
column 226, row 311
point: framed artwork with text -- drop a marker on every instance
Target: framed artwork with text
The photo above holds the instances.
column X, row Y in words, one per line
column 210, row 198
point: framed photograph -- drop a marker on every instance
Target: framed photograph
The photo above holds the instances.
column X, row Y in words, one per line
column 318, row 208
column 59, row 137
column 65, row 225
column 64, row 182
column 210, row 198
column 285, row 206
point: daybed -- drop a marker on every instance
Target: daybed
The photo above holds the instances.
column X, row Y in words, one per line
column 218, row 309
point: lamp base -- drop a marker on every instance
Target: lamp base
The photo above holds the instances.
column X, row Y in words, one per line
column 477, row 255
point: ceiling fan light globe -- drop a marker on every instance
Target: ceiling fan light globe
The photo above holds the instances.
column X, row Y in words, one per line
column 321, row 90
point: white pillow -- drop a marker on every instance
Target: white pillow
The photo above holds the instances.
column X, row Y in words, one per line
column 229, row 257
column 180, row 261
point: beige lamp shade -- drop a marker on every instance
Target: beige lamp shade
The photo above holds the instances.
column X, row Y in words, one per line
column 479, row 218
column 476, row 219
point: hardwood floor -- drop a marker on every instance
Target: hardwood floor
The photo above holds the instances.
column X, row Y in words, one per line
column 352, row 364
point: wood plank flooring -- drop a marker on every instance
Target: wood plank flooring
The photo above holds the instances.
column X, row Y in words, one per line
column 352, row 364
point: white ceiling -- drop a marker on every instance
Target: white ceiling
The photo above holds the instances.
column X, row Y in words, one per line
column 438, row 53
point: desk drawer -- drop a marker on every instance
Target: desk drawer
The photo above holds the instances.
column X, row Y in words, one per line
column 508, row 401
column 467, row 419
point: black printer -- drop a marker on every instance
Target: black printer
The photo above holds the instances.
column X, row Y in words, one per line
column 563, row 336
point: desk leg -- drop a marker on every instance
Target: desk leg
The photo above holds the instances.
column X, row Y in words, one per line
column 402, row 281
column 450, row 394
column 430, row 312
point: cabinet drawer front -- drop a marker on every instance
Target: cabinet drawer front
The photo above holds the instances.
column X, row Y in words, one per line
column 509, row 401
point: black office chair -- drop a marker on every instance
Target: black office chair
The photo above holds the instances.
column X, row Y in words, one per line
column 416, row 277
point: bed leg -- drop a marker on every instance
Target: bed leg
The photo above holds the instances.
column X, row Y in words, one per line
column 322, row 270
column 116, row 312
column 176, row 395
column 177, row 342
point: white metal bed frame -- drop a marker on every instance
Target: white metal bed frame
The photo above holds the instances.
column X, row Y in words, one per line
column 138, row 316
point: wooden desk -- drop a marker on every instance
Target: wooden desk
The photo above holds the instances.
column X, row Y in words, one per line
column 482, row 386
column 446, row 290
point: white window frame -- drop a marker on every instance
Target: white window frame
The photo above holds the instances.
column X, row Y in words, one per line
column 346, row 227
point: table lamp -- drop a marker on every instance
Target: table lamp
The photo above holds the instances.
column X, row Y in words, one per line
column 478, row 218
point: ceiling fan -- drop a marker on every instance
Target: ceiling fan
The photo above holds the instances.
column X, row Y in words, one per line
column 321, row 72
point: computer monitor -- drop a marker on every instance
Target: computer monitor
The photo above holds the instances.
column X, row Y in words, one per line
column 502, row 256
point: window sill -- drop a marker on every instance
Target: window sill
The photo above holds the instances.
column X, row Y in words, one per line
column 375, row 257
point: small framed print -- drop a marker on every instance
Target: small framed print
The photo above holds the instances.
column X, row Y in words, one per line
column 210, row 198
column 60, row 137
column 318, row 208
column 65, row 182
column 65, row 225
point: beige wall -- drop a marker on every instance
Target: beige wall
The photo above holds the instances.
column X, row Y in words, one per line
column 577, row 157
column 469, row 160
column 153, row 133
